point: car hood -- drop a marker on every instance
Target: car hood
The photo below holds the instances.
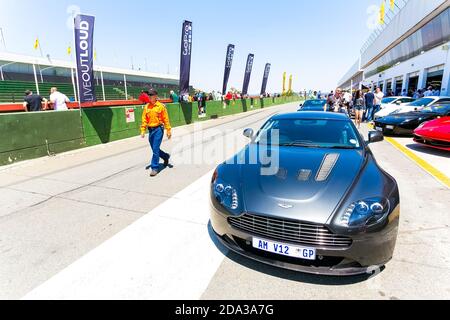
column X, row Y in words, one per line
column 390, row 108
column 289, row 196
column 436, row 129
column 401, row 117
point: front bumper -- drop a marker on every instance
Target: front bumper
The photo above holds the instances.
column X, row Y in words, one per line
column 394, row 129
column 367, row 253
column 432, row 143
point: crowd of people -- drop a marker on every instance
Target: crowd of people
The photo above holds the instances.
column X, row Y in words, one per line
column 419, row 93
column 365, row 105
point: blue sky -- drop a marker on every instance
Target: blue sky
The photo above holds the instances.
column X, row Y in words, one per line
column 315, row 40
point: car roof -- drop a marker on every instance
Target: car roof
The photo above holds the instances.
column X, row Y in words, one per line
column 435, row 97
column 396, row 97
column 311, row 115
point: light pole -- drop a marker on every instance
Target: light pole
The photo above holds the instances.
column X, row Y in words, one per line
column 40, row 71
column 3, row 38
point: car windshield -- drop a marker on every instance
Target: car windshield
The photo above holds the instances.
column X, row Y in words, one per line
column 309, row 133
column 388, row 100
column 314, row 103
column 441, row 108
column 421, row 102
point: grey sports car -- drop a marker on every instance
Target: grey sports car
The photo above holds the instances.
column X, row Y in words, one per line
column 307, row 195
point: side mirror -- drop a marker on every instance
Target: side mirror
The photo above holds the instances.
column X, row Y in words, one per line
column 398, row 103
column 249, row 133
column 375, row 136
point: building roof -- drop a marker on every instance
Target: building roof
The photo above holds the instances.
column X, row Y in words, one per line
column 48, row 62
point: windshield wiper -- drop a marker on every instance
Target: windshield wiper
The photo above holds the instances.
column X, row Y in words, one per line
column 341, row 147
column 299, row 144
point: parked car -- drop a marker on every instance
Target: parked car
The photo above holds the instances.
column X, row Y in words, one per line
column 323, row 206
column 406, row 123
column 313, row 105
column 392, row 104
column 421, row 103
column 434, row 134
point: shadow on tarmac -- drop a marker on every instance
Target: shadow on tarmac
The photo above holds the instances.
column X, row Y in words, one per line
column 284, row 273
column 428, row 150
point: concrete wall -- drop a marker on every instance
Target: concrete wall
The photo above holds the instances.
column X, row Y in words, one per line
column 32, row 135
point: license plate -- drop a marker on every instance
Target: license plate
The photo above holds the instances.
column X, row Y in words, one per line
column 284, row 249
column 390, row 127
column 379, row 129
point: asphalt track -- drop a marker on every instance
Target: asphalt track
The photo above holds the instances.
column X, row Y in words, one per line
column 91, row 224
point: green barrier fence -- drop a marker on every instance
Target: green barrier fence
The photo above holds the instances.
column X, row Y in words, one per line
column 33, row 135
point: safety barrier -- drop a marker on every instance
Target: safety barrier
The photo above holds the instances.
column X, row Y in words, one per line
column 33, row 135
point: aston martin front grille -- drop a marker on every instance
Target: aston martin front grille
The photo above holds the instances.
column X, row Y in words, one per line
column 290, row 231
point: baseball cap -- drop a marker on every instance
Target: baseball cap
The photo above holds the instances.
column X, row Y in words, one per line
column 151, row 92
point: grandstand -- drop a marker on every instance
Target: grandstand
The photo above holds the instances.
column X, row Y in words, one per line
column 17, row 76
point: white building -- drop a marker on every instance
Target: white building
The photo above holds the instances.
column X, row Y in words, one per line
column 411, row 52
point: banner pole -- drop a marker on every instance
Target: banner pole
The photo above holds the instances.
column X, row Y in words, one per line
column 103, row 85
column 125, row 83
column 35, row 79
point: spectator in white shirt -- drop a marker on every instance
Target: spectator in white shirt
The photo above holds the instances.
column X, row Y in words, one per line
column 379, row 95
column 429, row 92
column 58, row 100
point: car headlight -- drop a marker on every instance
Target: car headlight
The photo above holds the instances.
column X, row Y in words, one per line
column 227, row 195
column 365, row 213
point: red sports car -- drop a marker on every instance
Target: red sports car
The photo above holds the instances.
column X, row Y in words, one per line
column 435, row 134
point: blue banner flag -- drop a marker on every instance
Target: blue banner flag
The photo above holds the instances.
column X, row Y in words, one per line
column 84, row 50
column 228, row 64
column 266, row 77
column 186, row 51
column 248, row 73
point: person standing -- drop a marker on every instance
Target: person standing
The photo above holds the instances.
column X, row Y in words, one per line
column 58, row 100
column 174, row 97
column 334, row 102
column 33, row 102
column 369, row 98
column 379, row 95
column 359, row 108
column 429, row 92
column 155, row 119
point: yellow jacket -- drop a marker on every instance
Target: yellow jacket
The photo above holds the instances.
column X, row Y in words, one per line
column 154, row 116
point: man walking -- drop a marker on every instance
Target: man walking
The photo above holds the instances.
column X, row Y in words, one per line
column 369, row 99
column 154, row 119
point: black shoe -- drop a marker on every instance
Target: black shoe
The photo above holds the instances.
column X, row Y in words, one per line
column 166, row 162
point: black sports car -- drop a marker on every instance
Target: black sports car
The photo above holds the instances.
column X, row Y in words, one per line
column 406, row 123
column 307, row 194
column 313, row 105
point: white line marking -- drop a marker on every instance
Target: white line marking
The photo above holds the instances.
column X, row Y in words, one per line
column 167, row 254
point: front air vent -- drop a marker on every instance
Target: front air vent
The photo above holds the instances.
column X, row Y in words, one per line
column 328, row 163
